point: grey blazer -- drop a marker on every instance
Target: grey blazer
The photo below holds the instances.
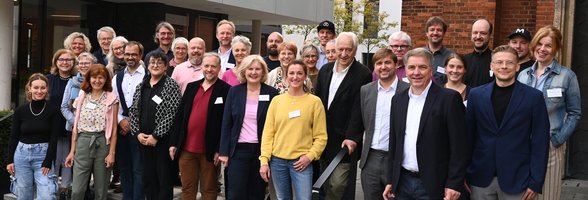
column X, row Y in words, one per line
column 364, row 118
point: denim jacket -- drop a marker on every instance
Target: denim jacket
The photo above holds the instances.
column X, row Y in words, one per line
column 564, row 110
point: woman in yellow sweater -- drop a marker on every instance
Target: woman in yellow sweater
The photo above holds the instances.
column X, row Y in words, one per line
column 294, row 135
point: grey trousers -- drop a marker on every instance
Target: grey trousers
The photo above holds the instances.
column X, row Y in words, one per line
column 493, row 192
column 90, row 152
column 373, row 174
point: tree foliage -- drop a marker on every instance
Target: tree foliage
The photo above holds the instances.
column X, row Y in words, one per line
column 304, row 30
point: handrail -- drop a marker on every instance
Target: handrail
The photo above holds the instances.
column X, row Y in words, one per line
column 7, row 116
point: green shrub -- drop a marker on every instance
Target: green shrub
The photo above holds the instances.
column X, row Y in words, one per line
column 5, row 129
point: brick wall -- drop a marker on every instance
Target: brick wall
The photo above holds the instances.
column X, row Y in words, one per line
column 506, row 15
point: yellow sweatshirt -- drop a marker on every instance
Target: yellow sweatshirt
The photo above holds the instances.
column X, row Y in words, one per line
column 295, row 126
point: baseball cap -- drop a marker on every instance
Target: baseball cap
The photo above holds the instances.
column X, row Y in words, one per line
column 326, row 24
column 522, row 32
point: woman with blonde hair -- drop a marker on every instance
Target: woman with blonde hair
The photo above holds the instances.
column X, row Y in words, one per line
column 77, row 42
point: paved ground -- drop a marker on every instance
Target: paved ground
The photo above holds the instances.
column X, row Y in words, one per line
column 572, row 189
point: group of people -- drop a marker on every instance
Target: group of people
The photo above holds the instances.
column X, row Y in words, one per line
column 278, row 121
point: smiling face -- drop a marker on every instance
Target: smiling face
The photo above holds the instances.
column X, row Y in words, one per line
column 273, row 41
column 254, row 72
column 165, row 36
column 435, row 34
column 104, row 38
column 286, row 57
column 419, row 72
column 544, row 51
column 97, row 82
column 521, row 45
column 385, row 68
column 325, row 35
column 180, row 51
column 132, row 56
column 455, row 70
column 481, row 35
column 118, row 48
column 65, row 63
column 224, row 35
column 346, row 51
column 156, row 66
column 78, row 46
column 310, row 57
column 399, row 47
column 84, row 65
column 38, row 90
column 196, row 51
column 296, row 76
column 331, row 52
column 240, row 51
column 210, row 68
column 504, row 65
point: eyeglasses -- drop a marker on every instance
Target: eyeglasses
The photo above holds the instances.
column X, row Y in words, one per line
column 131, row 54
column 399, row 46
column 64, row 60
column 508, row 63
column 160, row 63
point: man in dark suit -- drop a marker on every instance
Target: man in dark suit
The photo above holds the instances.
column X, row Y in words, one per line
column 374, row 119
column 337, row 86
column 197, row 132
column 510, row 127
column 428, row 150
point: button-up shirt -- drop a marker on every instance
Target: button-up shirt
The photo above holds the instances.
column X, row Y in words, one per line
column 322, row 59
column 413, row 119
column 186, row 73
column 336, row 80
column 382, row 119
column 538, row 82
column 129, row 85
column 439, row 58
column 225, row 59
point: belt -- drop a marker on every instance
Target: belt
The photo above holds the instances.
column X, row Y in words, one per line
column 411, row 173
column 379, row 151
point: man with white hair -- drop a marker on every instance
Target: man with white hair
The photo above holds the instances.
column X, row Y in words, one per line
column 400, row 42
column 104, row 36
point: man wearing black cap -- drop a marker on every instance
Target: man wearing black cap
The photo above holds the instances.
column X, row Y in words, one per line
column 519, row 40
column 326, row 32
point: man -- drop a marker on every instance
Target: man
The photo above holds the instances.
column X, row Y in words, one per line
column 127, row 149
column 478, row 62
column 331, row 51
column 225, row 31
column 105, row 36
column 428, row 152
column 164, row 36
column 337, row 86
column 509, row 126
column 519, row 40
column 326, row 32
column 400, row 42
column 195, row 141
column 273, row 41
column 374, row 119
column 436, row 29
column 190, row 70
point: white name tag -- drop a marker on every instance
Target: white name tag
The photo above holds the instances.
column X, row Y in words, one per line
column 405, row 79
column 491, row 73
column 230, row 65
column 294, row 114
column 91, row 106
column 157, row 99
column 555, row 92
column 264, row 97
column 441, row 69
column 219, row 100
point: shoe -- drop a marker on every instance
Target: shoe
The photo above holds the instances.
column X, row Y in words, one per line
column 62, row 196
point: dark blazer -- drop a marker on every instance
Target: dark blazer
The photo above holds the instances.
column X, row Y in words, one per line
column 231, row 56
column 235, row 112
column 346, row 99
column 364, row 119
column 515, row 151
column 213, row 119
column 442, row 150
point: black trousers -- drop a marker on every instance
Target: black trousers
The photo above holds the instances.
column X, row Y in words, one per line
column 244, row 181
column 157, row 177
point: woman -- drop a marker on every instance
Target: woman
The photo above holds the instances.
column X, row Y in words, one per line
column 275, row 78
column 309, row 54
column 61, row 71
column 116, row 54
column 241, row 47
column 243, row 120
column 180, row 49
column 560, row 89
column 293, row 136
column 33, row 140
column 455, row 69
column 77, row 42
column 152, row 115
column 93, row 138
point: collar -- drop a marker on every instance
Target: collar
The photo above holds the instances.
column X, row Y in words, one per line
column 487, row 51
column 392, row 87
column 550, row 68
column 424, row 94
column 441, row 50
column 140, row 70
column 344, row 70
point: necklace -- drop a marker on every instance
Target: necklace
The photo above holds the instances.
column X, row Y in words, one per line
column 37, row 114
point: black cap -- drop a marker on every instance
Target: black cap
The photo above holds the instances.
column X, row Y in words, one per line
column 326, row 24
column 522, row 32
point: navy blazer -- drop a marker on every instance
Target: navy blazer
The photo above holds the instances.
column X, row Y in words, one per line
column 235, row 112
column 213, row 118
column 515, row 151
column 442, row 150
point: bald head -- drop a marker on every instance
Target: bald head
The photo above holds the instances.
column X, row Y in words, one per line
column 273, row 41
column 196, row 49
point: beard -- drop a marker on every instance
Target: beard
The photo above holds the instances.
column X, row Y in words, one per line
column 272, row 51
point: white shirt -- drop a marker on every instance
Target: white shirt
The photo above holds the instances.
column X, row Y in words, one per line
column 413, row 119
column 225, row 59
column 336, row 80
column 129, row 84
column 322, row 59
column 381, row 135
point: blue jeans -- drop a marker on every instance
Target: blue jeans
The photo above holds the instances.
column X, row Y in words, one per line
column 27, row 167
column 128, row 158
column 410, row 187
column 285, row 177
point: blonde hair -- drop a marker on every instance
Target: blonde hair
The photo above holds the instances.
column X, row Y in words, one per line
column 70, row 38
column 34, row 77
column 224, row 21
column 247, row 62
column 54, row 70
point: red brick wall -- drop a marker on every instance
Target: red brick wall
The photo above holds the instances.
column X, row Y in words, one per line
column 506, row 15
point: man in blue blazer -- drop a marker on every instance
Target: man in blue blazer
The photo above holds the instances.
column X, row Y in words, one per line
column 509, row 126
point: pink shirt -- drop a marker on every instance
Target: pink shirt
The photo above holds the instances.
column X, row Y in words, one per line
column 249, row 128
column 185, row 73
column 230, row 77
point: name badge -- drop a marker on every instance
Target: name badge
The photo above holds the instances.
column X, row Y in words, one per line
column 157, row 99
column 91, row 106
column 555, row 92
column 294, row 114
column 230, row 65
column 264, row 97
column 405, row 79
column 219, row 100
column 491, row 73
column 441, row 69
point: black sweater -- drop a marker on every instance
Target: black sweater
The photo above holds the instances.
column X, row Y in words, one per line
column 30, row 129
